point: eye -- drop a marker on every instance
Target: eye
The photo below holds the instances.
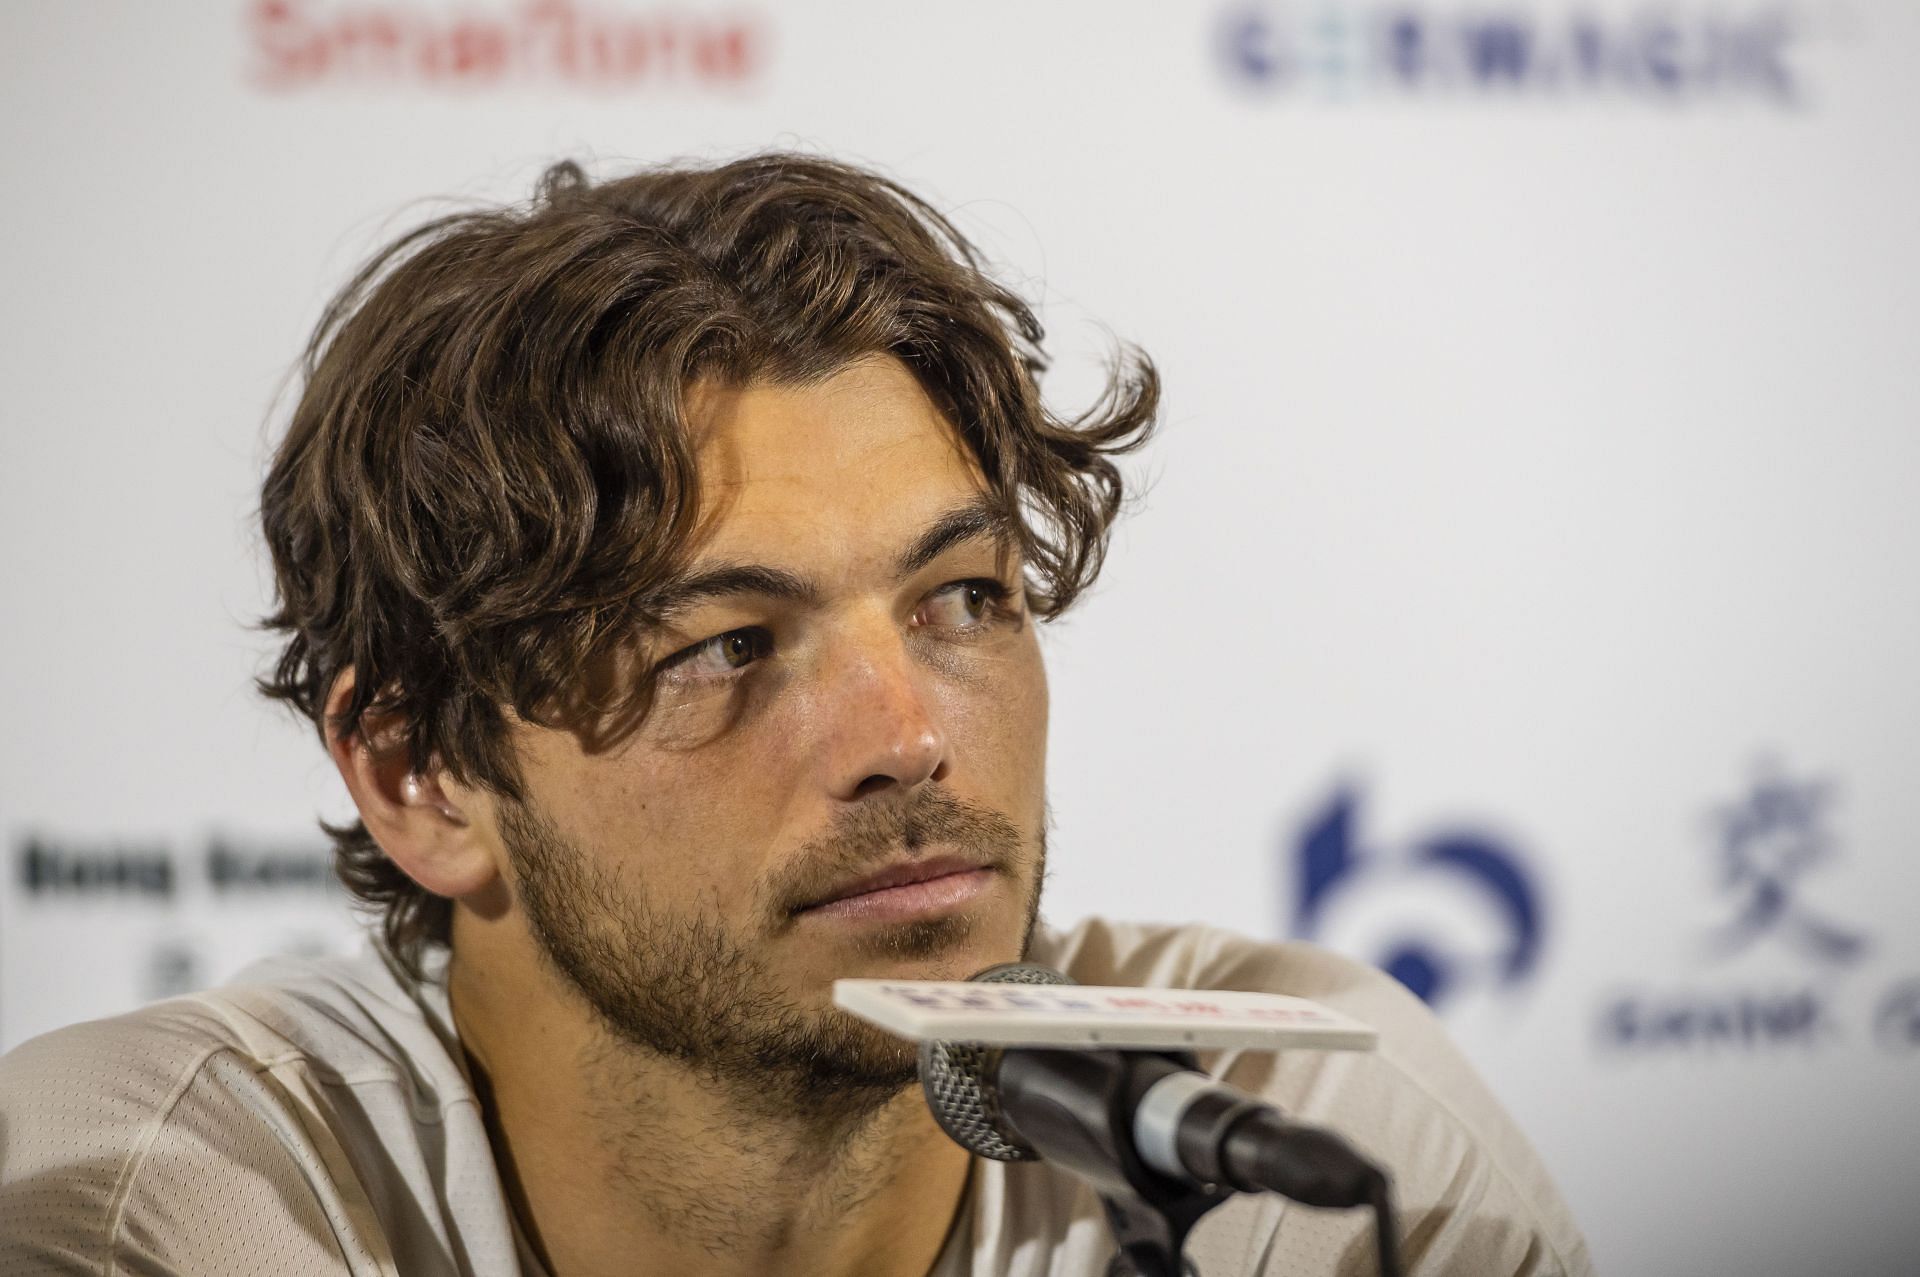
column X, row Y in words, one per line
column 721, row 655
column 962, row 605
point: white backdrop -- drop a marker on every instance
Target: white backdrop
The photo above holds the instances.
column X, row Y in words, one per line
column 1530, row 548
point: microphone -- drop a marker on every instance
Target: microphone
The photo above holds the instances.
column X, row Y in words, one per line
column 1160, row 1140
column 1020, row 1104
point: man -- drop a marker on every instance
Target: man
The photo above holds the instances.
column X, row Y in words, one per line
column 660, row 564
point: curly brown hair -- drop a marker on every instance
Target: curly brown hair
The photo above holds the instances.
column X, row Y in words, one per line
column 488, row 474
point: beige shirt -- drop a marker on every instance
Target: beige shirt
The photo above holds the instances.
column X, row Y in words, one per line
column 316, row 1118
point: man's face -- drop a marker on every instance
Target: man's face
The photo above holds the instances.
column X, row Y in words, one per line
column 840, row 773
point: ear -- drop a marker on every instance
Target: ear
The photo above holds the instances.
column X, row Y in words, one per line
column 411, row 815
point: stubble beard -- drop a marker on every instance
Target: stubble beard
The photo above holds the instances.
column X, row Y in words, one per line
column 685, row 988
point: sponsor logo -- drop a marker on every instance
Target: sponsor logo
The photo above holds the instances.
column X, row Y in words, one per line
column 1454, row 910
column 50, row 869
column 156, row 917
column 234, row 867
column 1767, row 842
column 1678, row 53
column 1768, row 846
column 296, row 44
column 1714, row 1020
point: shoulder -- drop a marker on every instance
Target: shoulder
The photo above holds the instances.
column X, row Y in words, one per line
column 1474, row 1196
column 82, row 1111
column 190, row 1127
column 99, row 1086
column 1196, row 956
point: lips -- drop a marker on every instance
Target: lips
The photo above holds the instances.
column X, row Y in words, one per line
column 904, row 874
column 904, row 892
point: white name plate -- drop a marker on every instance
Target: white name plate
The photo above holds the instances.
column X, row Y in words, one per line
column 1080, row 1015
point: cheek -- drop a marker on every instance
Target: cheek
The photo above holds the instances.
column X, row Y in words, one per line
column 997, row 718
column 682, row 828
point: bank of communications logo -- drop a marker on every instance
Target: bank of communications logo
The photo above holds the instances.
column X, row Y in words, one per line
column 1778, row 966
column 1765, row 844
column 1453, row 911
column 1343, row 50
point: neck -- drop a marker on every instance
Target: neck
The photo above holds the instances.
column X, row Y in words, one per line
column 608, row 1153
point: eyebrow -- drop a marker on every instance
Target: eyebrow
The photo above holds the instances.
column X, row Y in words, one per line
column 724, row 580
column 977, row 518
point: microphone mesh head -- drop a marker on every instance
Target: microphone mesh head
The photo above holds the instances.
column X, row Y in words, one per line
column 958, row 1079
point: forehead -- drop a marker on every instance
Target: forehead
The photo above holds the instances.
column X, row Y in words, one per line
column 860, row 458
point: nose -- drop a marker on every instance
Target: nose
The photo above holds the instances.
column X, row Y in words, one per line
column 882, row 723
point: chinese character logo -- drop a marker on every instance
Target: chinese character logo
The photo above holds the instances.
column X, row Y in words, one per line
column 1766, row 843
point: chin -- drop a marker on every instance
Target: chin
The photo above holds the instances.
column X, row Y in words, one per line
column 946, row 948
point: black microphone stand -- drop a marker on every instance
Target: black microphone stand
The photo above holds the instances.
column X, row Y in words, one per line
column 1076, row 1109
column 1087, row 1129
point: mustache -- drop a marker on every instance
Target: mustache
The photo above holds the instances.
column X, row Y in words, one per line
column 868, row 837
